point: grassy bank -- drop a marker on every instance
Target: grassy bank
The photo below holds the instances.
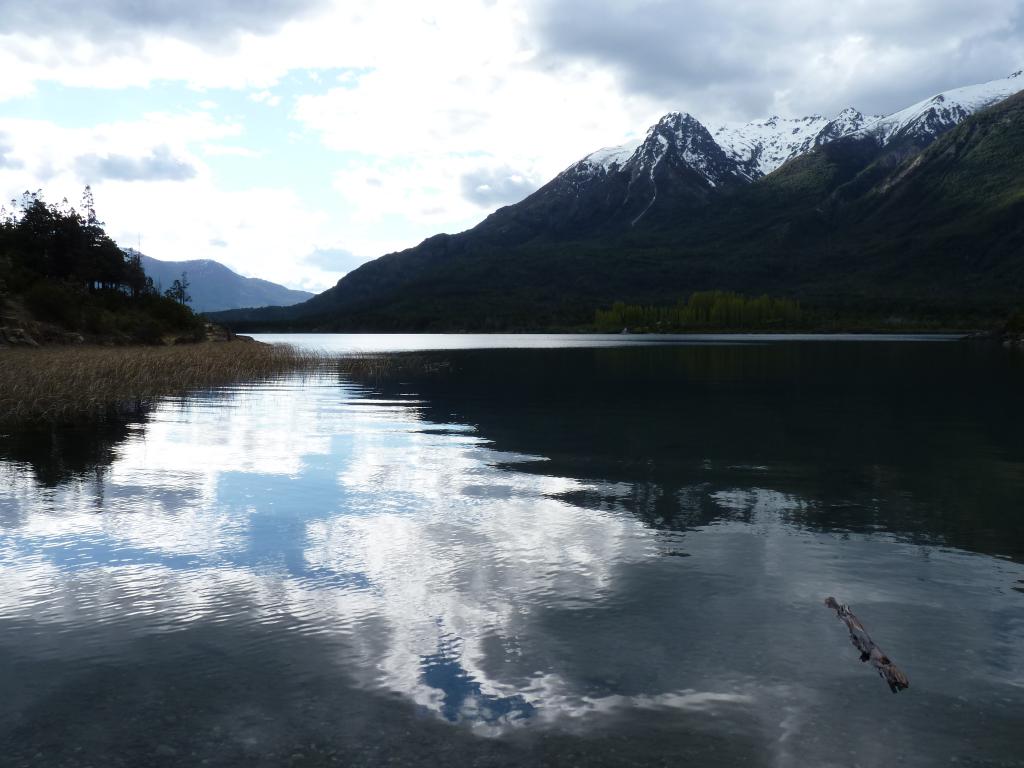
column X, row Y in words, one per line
column 61, row 383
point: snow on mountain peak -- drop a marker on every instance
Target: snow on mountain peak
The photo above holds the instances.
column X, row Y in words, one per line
column 935, row 115
column 756, row 148
column 677, row 134
column 761, row 146
column 677, row 119
column 610, row 158
column 684, row 138
column 848, row 121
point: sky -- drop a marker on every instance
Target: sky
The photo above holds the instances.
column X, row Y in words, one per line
column 296, row 139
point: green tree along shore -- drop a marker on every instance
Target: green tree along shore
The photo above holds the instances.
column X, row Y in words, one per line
column 58, row 266
column 708, row 310
column 722, row 311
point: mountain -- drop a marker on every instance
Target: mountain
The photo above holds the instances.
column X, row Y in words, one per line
column 214, row 287
column 762, row 146
column 676, row 166
column 924, row 121
column 917, row 213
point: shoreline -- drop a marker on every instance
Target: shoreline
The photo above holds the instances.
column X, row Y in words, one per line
column 83, row 382
column 58, row 383
column 965, row 333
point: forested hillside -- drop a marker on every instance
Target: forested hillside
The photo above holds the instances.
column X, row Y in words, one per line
column 925, row 230
column 66, row 279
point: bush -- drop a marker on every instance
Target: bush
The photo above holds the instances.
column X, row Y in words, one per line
column 100, row 322
column 147, row 331
column 16, row 279
column 57, row 303
column 169, row 313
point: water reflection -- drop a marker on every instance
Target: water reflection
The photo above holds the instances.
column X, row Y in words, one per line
column 62, row 455
column 917, row 439
column 535, row 544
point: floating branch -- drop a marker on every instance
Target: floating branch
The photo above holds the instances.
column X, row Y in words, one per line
column 862, row 641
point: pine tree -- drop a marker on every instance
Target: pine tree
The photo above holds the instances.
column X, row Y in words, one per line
column 179, row 290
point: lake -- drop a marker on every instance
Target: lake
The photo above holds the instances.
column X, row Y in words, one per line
column 529, row 550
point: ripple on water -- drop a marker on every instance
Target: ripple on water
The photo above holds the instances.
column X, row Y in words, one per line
column 290, row 547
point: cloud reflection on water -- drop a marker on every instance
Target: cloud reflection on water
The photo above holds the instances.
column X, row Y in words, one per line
column 327, row 510
column 452, row 573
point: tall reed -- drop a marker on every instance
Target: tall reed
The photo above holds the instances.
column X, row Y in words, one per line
column 58, row 383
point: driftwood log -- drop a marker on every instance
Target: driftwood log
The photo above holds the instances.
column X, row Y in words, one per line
column 862, row 641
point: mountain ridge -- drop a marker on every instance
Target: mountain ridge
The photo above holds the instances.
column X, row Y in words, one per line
column 678, row 214
column 216, row 287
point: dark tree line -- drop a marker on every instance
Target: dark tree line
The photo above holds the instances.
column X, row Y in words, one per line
column 61, row 264
column 59, row 243
column 705, row 310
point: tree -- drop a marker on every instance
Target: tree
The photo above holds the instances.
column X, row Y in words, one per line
column 135, row 275
column 179, row 290
column 89, row 208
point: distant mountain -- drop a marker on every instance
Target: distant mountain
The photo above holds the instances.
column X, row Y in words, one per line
column 214, row 287
column 921, row 211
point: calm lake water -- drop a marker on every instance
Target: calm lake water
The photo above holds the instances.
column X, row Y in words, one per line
column 593, row 551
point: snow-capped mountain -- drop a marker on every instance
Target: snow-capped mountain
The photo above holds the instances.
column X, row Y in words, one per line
column 608, row 158
column 745, row 151
column 677, row 163
column 852, row 220
column 677, row 139
column 681, row 139
column 929, row 118
column 677, row 159
column 761, row 146
column 749, row 151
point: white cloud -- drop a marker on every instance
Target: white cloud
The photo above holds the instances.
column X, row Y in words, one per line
column 443, row 98
column 269, row 228
column 228, row 150
column 265, row 97
column 40, row 139
column 159, row 165
column 749, row 59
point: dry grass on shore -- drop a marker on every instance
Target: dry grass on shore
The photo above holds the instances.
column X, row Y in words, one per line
column 58, row 383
